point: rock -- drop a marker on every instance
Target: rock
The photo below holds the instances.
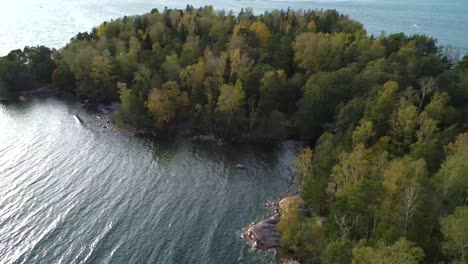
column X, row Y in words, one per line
column 290, row 261
column 288, row 200
column 240, row 166
column 263, row 235
column 208, row 138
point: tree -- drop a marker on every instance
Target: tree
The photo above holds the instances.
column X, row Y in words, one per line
column 231, row 99
column 190, row 52
column 323, row 93
column 192, row 78
column 338, row 252
column 428, row 128
column 304, row 164
column 320, row 52
column 142, row 82
column 102, row 86
column 312, row 27
column 455, row 229
column 312, row 185
column 289, row 225
column 451, row 181
column 166, row 102
column 301, row 236
column 158, row 34
column 261, row 31
column 131, row 108
column 271, row 91
column 403, row 182
column 402, row 252
column 438, row 108
column 380, row 110
column 40, row 62
column 428, row 86
column 404, row 124
column 352, row 169
column 363, row 133
column 171, row 67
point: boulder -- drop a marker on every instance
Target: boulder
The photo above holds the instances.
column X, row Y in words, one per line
column 263, row 235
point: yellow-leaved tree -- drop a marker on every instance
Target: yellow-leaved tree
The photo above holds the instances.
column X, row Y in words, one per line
column 166, row 102
column 262, row 32
column 231, row 99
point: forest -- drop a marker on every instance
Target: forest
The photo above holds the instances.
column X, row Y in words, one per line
column 385, row 117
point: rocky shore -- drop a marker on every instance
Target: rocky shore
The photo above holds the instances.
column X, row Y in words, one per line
column 264, row 234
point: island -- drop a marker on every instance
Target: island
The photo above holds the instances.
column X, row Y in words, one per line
column 383, row 175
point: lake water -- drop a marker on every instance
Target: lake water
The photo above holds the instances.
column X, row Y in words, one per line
column 72, row 192
column 54, row 22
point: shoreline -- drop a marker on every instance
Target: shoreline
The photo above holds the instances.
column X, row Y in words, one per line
column 109, row 109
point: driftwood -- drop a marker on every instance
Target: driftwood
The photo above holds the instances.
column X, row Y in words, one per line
column 78, row 119
column 263, row 235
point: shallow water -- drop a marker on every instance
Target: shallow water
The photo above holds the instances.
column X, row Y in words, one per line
column 54, row 22
column 73, row 192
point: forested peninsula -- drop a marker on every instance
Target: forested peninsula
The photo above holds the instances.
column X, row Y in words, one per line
column 386, row 117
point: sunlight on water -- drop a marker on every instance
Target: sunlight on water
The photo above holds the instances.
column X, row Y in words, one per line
column 73, row 193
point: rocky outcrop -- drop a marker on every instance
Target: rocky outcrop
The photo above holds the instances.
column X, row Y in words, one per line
column 263, row 235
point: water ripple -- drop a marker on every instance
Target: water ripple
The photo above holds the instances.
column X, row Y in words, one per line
column 72, row 194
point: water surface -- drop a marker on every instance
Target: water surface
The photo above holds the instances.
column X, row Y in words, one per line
column 54, row 22
column 78, row 193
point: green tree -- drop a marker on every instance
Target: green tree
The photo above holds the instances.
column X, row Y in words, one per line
column 363, row 133
column 380, row 110
column 323, row 93
column 231, row 99
column 131, row 109
column 142, row 82
column 403, row 183
column 351, row 170
column 301, row 236
column 171, row 67
column 451, row 181
column 404, row 125
column 338, row 252
column 455, row 229
column 102, row 86
column 40, row 62
column 313, row 186
column 320, row 52
column 402, row 252
column 190, row 52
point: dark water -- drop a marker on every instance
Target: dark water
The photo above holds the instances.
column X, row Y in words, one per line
column 54, row 22
column 70, row 193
